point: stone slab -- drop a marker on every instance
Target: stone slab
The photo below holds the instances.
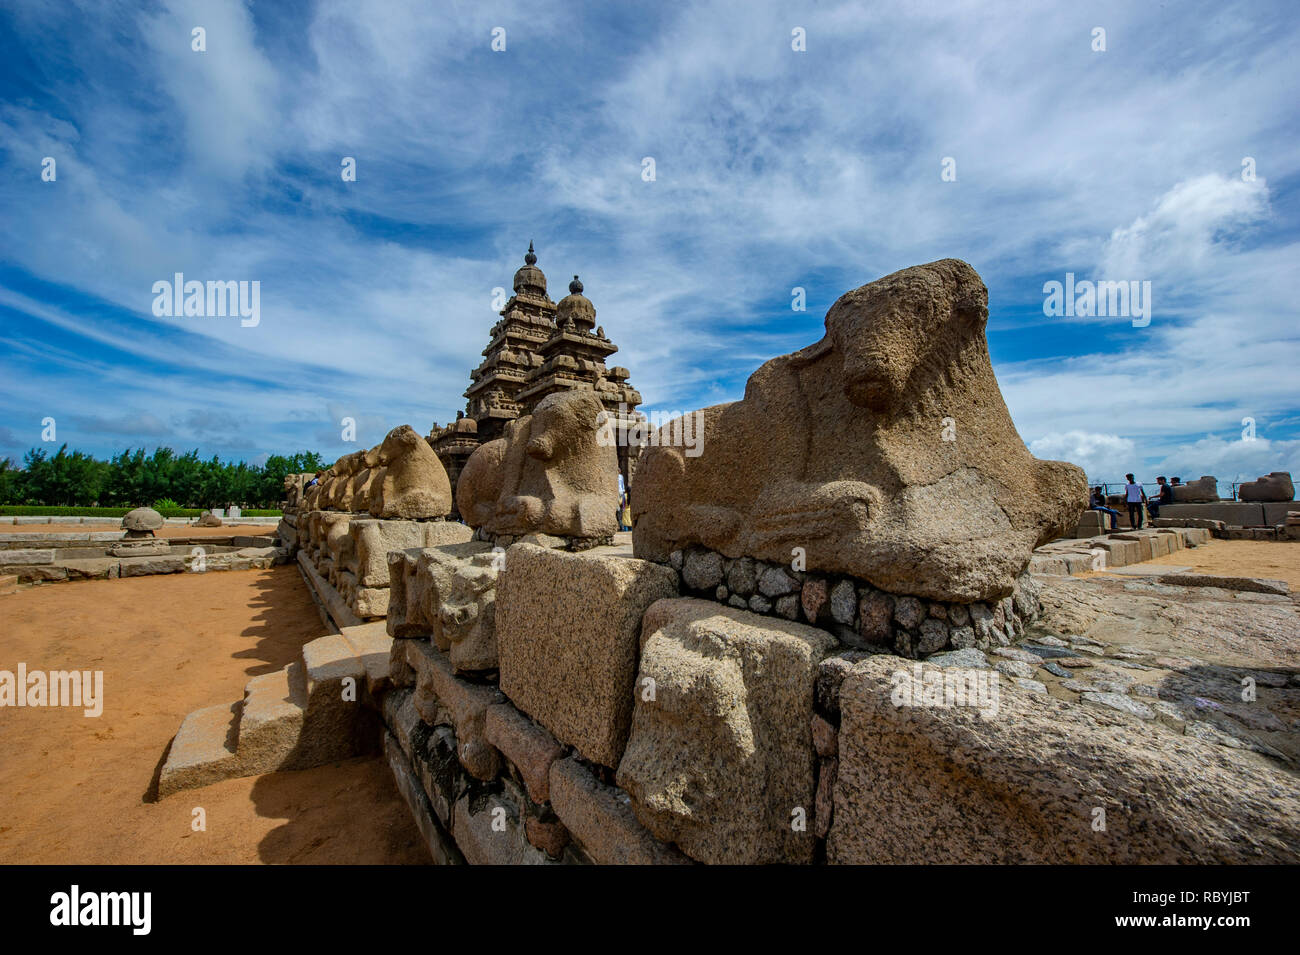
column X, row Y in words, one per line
column 600, row 817
column 1027, row 783
column 720, row 756
column 568, row 635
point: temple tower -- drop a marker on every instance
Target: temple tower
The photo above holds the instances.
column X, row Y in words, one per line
column 537, row 348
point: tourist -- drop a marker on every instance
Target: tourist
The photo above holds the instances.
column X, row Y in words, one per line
column 1099, row 504
column 316, row 479
column 624, row 513
column 1166, row 497
column 1134, row 497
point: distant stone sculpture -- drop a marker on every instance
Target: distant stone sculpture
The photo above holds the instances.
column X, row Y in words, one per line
column 340, row 490
column 1197, row 492
column 209, row 520
column 363, row 484
column 312, row 496
column 141, row 522
column 295, row 486
column 884, row 451
column 1275, row 486
column 549, row 474
column 413, row 483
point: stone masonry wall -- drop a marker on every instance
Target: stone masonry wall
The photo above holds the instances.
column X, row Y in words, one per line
column 612, row 718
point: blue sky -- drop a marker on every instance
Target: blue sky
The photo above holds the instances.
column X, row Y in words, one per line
column 774, row 169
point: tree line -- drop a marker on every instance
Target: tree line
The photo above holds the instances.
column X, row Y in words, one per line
column 134, row 479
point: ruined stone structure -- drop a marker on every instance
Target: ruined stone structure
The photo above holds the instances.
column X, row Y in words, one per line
column 538, row 348
column 392, row 496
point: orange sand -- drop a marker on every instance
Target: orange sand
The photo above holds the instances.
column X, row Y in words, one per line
column 76, row 790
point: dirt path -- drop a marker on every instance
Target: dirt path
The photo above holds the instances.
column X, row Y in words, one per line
column 73, row 789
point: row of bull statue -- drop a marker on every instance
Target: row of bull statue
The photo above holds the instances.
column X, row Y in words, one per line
column 549, row 474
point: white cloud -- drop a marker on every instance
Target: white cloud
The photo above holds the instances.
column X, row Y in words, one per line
column 226, row 94
column 1181, row 233
column 1103, row 457
column 1229, row 460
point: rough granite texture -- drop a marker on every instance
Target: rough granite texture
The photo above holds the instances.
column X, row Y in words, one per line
column 568, row 628
column 721, row 758
column 937, row 784
column 479, row 484
column 885, row 451
column 549, row 474
column 413, row 482
column 373, row 539
column 601, row 818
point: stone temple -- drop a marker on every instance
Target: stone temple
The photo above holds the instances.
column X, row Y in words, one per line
column 538, row 348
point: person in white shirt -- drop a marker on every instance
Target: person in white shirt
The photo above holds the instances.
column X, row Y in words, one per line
column 1134, row 497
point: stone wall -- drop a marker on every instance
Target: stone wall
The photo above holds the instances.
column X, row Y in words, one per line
column 349, row 553
column 551, row 707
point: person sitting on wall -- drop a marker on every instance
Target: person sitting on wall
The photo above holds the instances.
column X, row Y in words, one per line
column 1166, row 496
column 315, row 480
column 1134, row 497
column 1098, row 503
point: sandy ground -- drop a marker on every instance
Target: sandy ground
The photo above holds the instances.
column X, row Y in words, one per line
column 79, row 790
column 167, row 530
column 1274, row 560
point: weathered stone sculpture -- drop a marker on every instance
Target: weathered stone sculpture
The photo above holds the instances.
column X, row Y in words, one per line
column 363, row 480
column 318, row 495
column 141, row 522
column 1196, row 492
column 884, row 451
column 480, row 483
column 550, row 473
column 467, row 612
column 723, row 754
column 294, row 487
column 447, row 593
column 345, row 470
column 1275, row 486
column 413, row 483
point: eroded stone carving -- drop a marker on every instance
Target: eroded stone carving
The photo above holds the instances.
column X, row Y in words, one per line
column 411, row 482
column 447, row 593
column 1275, row 486
column 548, row 475
column 480, row 483
column 884, row 451
column 1196, row 492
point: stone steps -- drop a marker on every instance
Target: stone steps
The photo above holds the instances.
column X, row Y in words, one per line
column 313, row 711
column 275, row 707
column 1119, row 549
column 203, row 751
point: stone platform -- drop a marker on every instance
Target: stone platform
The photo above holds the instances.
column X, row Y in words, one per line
column 106, row 555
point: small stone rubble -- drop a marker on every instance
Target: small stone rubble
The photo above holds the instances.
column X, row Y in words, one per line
column 857, row 613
